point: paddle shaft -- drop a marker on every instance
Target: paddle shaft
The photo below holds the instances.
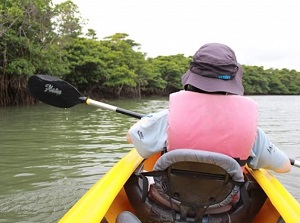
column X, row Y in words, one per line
column 113, row 108
column 295, row 162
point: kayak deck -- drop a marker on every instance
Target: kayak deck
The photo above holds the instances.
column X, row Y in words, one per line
column 107, row 198
column 279, row 199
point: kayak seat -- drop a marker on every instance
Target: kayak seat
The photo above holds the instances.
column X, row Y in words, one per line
column 197, row 182
column 190, row 185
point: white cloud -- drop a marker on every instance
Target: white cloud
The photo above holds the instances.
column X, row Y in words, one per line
column 264, row 33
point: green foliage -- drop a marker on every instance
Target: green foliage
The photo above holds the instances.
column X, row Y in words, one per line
column 27, row 39
column 39, row 38
column 21, row 66
column 171, row 69
column 257, row 80
column 67, row 21
column 121, row 61
column 91, row 33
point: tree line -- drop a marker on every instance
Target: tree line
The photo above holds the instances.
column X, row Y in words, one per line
column 38, row 37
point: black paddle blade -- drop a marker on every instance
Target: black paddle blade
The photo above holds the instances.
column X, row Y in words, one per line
column 54, row 91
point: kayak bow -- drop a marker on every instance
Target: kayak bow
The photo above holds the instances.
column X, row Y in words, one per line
column 107, row 198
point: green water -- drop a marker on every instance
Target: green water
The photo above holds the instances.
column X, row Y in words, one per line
column 50, row 157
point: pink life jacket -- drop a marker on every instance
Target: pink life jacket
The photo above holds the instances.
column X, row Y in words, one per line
column 225, row 124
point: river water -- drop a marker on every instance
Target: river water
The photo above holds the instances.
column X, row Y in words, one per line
column 49, row 157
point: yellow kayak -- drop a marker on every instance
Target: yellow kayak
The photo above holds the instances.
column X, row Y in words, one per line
column 262, row 197
column 107, row 198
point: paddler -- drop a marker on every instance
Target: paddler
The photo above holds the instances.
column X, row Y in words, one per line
column 211, row 114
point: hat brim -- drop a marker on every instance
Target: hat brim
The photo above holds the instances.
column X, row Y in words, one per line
column 209, row 84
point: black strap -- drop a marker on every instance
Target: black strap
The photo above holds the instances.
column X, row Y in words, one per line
column 143, row 177
column 245, row 196
column 241, row 162
column 188, row 173
column 145, row 187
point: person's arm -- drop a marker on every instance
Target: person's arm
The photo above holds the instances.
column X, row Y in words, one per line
column 286, row 167
column 149, row 135
column 266, row 155
column 140, row 122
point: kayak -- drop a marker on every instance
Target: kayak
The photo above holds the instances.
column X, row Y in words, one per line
column 262, row 197
column 108, row 197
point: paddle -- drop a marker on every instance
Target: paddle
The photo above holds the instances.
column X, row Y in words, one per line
column 295, row 162
column 59, row 93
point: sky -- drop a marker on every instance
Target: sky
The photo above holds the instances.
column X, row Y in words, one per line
column 261, row 32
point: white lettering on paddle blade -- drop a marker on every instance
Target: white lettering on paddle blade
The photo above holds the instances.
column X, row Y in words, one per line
column 49, row 88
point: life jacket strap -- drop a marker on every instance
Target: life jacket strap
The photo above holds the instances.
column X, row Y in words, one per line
column 241, row 162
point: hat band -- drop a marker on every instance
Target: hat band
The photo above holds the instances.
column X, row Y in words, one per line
column 223, row 72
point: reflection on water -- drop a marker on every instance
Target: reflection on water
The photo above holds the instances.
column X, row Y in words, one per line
column 50, row 157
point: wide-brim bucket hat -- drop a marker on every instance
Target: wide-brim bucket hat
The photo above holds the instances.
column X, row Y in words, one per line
column 215, row 69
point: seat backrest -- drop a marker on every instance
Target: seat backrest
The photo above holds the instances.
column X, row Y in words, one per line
column 198, row 181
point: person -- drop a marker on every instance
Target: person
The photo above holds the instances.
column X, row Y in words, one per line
column 210, row 114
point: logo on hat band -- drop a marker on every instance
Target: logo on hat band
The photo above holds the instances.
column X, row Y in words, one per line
column 224, row 77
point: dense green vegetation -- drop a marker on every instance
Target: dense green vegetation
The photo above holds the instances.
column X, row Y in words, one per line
column 37, row 37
